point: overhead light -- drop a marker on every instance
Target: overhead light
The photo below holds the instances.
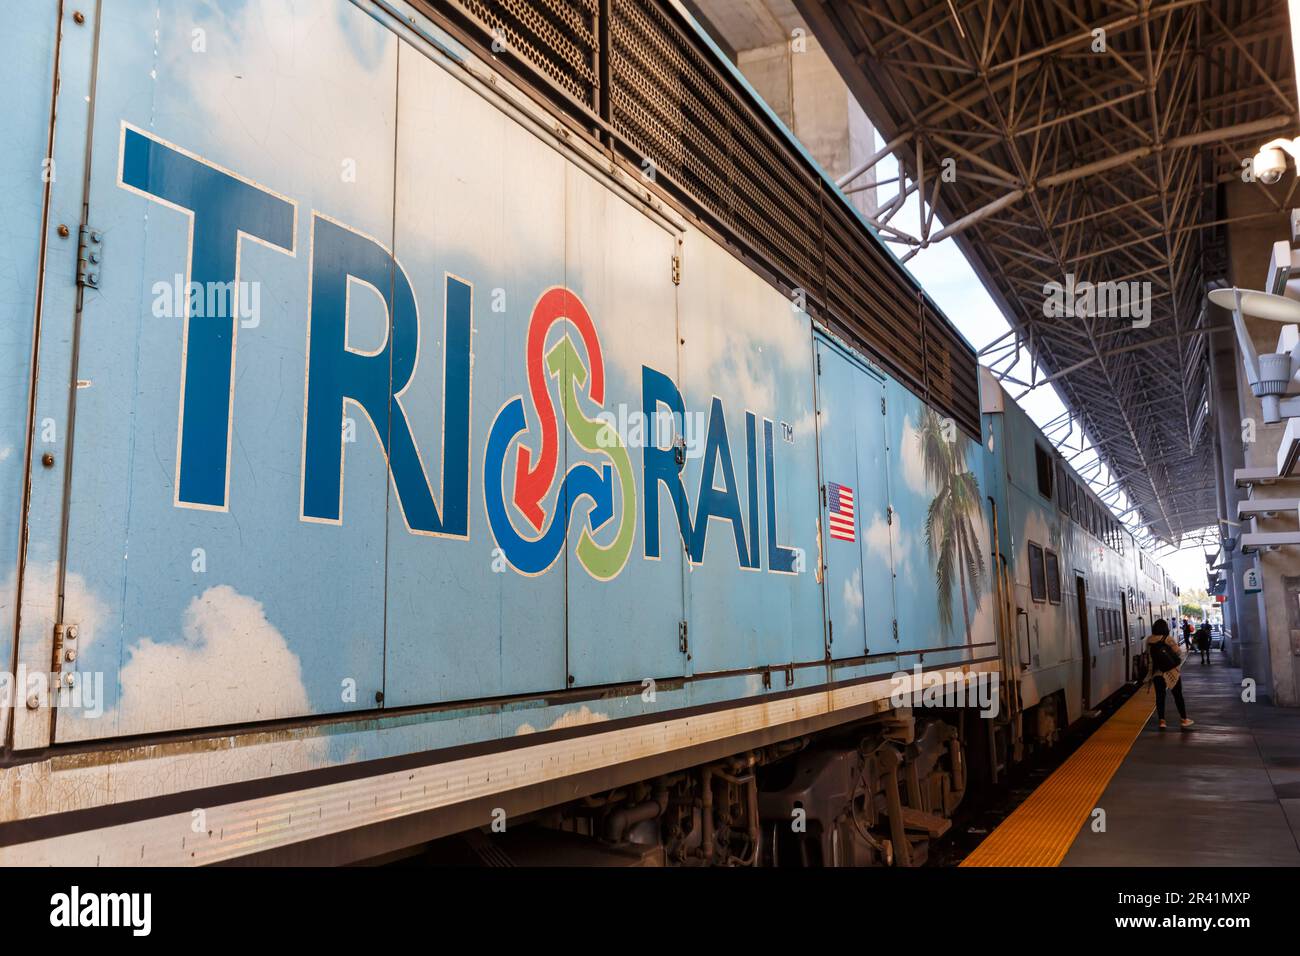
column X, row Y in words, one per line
column 1259, row 305
column 1270, row 375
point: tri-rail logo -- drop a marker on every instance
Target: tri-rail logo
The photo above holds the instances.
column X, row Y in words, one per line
column 530, row 524
column 534, row 479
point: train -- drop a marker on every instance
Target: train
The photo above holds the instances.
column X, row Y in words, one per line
column 378, row 376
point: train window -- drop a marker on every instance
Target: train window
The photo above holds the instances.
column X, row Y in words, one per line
column 1037, row 577
column 1062, row 487
column 1043, row 459
column 1053, row 567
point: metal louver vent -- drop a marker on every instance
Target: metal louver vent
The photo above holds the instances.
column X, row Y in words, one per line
column 559, row 38
column 671, row 104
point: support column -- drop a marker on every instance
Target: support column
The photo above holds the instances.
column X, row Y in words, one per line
column 1249, row 245
column 777, row 53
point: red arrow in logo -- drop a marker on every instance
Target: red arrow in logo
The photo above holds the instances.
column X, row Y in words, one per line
column 532, row 483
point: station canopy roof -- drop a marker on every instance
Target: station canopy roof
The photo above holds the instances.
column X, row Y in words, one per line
column 1090, row 139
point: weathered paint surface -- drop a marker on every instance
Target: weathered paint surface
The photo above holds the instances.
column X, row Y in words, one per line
column 413, row 460
column 27, row 49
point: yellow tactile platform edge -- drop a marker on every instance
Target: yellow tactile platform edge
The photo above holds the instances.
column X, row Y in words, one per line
column 1041, row 830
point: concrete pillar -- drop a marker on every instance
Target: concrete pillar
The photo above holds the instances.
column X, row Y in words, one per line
column 1249, row 647
column 1249, row 245
column 787, row 67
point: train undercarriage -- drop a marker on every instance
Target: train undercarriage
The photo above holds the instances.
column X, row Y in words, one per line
column 874, row 793
column 878, row 792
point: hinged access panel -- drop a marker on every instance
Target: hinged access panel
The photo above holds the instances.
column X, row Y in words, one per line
column 856, row 510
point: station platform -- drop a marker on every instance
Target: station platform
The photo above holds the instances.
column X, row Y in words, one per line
column 1225, row 792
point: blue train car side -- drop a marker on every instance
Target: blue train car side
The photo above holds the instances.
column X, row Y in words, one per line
column 384, row 461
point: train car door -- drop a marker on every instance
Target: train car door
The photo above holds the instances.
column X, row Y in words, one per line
column 1128, row 637
column 213, row 577
column 749, row 469
column 463, row 619
column 1081, row 592
column 625, row 608
column 856, row 513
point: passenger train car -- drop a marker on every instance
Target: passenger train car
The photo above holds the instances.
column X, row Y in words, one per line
column 1080, row 593
column 483, row 421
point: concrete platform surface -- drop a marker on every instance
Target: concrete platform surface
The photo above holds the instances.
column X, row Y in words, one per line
column 1224, row 793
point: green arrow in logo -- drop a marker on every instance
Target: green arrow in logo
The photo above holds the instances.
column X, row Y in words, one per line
column 593, row 435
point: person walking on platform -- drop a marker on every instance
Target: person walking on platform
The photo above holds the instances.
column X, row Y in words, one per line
column 1203, row 641
column 1187, row 634
column 1165, row 661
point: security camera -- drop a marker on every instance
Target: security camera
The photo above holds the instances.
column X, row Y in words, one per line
column 1269, row 164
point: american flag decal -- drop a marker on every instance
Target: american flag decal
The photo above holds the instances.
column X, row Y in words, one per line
column 839, row 501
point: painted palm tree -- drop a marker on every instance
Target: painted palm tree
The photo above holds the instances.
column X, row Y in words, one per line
column 950, row 522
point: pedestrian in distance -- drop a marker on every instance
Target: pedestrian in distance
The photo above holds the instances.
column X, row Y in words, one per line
column 1165, row 661
column 1187, row 634
column 1203, row 642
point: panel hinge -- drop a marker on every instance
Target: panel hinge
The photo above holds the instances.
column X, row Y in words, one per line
column 889, row 514
column 895, row 628
column 683, row 644
column 677, row 270
column 882, row 406
column 65, row 649
column 819, row 363
column 90, row 249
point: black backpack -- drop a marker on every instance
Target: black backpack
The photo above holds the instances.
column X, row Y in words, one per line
column 1164, row 657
